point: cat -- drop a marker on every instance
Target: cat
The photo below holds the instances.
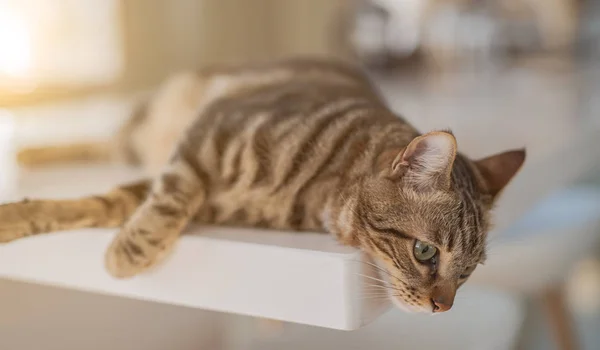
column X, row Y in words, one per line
column 303, row 145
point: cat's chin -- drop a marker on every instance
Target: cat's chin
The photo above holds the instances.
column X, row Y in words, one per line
column 409, row 308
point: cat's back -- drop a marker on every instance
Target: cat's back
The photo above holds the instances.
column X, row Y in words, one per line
column 230, row 81
column 277, row 141
column 151, row 134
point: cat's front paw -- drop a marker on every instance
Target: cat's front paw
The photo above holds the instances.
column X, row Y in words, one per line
column 125, row 259
column 130, row 255
column 8, row 235
column 16, row 222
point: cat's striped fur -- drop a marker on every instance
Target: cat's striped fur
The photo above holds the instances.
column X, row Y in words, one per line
column 296, row 145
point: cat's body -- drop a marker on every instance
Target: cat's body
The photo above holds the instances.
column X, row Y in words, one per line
column 273, row 141
column 297, row 145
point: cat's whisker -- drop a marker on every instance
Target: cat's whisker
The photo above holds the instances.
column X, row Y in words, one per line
column 379, row 297
column 375, row 279
column 382, row 291
column 379, row 268
column 382, row 296
column 375, row 299
column 377, row 285
column 382, row 287
column 377, row 292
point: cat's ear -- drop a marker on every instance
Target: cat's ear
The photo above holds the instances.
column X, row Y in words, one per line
column 499, row 169
column 427, row 161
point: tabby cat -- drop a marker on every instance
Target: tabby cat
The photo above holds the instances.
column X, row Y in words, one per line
column 301, row 145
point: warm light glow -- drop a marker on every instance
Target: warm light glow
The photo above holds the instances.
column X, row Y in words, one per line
column 15, row 45
column 66, row 43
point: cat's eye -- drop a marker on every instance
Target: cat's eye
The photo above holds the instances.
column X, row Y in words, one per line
column 424, row 252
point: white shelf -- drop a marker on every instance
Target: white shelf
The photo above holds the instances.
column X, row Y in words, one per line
column 297, row 277
column 304, row 278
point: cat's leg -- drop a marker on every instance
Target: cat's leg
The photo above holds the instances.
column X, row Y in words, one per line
column 150, row 233
column 32, row 217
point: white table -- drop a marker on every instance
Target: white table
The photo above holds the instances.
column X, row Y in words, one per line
column 308, row 278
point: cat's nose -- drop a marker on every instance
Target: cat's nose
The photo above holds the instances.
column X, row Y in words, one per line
column 440, row 304
column 442, row 298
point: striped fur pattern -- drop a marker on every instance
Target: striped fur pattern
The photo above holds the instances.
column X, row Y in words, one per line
column 298, row 145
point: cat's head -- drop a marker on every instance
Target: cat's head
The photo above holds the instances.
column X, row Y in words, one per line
column 424, row 216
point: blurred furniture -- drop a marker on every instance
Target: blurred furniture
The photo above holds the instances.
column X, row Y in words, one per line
column 535, row 255
column 450, row 33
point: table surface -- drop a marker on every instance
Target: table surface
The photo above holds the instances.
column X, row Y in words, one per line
column 308, row 278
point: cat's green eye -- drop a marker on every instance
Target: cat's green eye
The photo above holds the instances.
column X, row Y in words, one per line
column 424, row 252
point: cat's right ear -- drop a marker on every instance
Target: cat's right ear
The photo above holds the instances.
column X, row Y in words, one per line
column 427, row 161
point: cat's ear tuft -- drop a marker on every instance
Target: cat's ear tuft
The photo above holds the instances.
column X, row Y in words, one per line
column 427, row 160
column 499, row 169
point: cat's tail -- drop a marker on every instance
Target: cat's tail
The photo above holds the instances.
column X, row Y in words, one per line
column 35, row 157
column 114, row 148
column 32, row 217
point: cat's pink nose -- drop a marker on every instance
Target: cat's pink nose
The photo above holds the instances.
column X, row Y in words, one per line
column 441, row 305
column 442, row 298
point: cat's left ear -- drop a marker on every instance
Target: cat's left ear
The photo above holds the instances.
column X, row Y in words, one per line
column 499, row 169
column 427, row 161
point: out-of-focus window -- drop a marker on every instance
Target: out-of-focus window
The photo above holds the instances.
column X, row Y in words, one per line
column 62, row 44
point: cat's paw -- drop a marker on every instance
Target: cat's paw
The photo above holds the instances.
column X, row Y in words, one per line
column 13, row 222
column 128, row 256
column 8, row 235
column 126, row 259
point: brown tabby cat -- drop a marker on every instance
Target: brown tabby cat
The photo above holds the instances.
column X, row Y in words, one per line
column 299, row 145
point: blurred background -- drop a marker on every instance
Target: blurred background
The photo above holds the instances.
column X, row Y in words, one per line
column 66, row 49
column 501, row 73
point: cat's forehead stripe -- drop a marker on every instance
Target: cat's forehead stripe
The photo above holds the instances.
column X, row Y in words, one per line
column 467, row 236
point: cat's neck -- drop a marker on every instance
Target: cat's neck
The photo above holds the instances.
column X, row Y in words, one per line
column 339, row 215
column 387, row 139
